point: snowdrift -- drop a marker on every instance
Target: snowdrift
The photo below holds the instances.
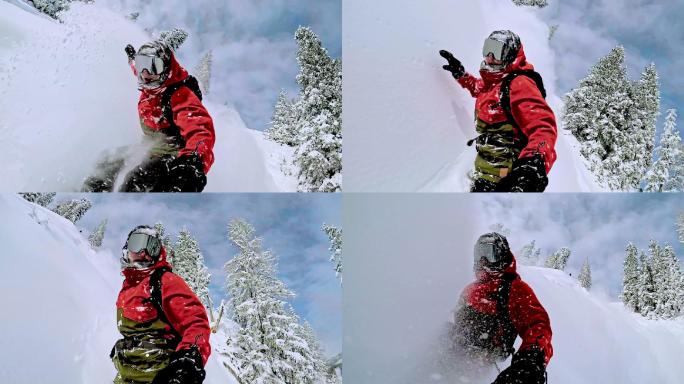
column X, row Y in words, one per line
column 406, row 120
column 58, row 320
column 67, row 95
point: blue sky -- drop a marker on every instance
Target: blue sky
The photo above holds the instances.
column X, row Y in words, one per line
column 650, row 31
column 594, row 226
column 252, row 42
column 288, row 223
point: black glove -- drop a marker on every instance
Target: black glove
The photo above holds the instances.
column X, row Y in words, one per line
column 130, row 52
column 527, row 367
column 186, row 174
column 454, row 66
column 185, row 367
column 527, row 175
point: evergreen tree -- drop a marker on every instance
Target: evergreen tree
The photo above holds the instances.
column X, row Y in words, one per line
column 631, row 278
column 203, row 72
column 531, row 3
column 646, row 287
column 559, row 259
column 639, row 138
column 552, row 31
column 73, row 210
column 95, row 238
column 166, row 242
column 335, row 237
column 669, row 282
column 269, row 345
column 283, row 128
column 189, row 264
column 666, row 173
column 51, row 8
column 529, row 254
column 41, row 198
column 614, row 120
column 173, row 38
column 680, row 227
column 319, row 116
column 585, row 275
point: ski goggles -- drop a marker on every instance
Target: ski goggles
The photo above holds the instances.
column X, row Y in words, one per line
column 138, row 242
column 488, row 252
column 496, row 48
column 153, row 64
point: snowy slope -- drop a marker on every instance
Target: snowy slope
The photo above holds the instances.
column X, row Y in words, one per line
column 67, row 95
column 599, row 341
column 58, row 321
column 406, row 120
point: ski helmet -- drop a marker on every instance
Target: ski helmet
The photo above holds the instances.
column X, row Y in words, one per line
column 141, row 238
column 155, row 58
column 502, row 46
column 492, row 253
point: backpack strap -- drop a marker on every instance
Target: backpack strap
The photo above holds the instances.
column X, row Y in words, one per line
column 156, row 293
column 505, row 97
column 189, row 82
column 502, row 299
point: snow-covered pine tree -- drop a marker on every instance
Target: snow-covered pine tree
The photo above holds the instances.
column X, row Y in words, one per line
column 173, row 38
column 95, row 238
column 646, row 287
column 552, row 31
column 283, row 128
column 613, row 129
column 531, row 3
column 41, row 198
column 585, row 275
column 166, row 241
column 319, row 116
column 680, row 227
column 268, row 347
column 321, row 364
column 74, row 209
column 630, row 280
column 203, row 72
column 669, row 282
column 500, row 229
column 529, row 254
column 559, row 259
column 639, row 139
column 335, row 237
column 51, row 8
column 666, row 174
column 188, row 263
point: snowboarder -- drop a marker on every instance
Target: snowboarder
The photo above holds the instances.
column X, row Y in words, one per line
column 497, row 308
column 176, row 125
column 517, row 128
column 164, row 325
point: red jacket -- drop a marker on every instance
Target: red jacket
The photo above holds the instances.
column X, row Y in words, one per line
column 181, row 306
column 528, row 107
column 526, row 313
column 196, row 126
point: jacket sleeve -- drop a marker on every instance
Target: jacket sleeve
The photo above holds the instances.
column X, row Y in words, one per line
column 471, row 84
column 186, row 314
column 530, row 319
column 196, row 126
column 535, row 118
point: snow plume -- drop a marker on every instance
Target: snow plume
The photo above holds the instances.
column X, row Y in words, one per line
column 398, row 300
column 406, row 120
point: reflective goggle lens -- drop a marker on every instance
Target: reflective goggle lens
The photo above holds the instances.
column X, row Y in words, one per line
column 154, row 65
column 486, row 251
column 495, row 47
column 137, row 242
